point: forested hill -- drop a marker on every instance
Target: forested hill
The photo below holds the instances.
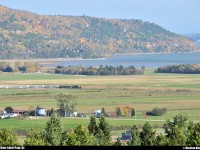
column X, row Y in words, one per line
column 194, row 37
column 28, row 35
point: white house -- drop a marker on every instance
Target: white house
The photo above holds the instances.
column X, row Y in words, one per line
column 40, row 111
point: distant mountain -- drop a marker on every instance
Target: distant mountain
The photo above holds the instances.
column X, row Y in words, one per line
column 28, row 35
column 194, row 37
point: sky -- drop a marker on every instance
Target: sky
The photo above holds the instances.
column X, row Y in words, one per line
column 179, row 16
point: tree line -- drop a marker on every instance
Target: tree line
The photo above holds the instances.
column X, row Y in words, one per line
column 183, row 68
column 177, row 132
column 101, row 70
column 20, row 67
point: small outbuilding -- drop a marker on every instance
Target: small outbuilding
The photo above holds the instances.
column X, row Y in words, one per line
column 127, row 135
column 97, row 113
column 20, row 112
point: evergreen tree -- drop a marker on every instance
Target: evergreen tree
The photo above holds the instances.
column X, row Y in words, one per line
column 135, row 141
column 118, row 142
column 180, row 120
column 103, row 112
column 82, row 135
column 176, row 130
column 69, row 138
column 7, row 138
column 99, row 139
column 105, row 128
column 92, row 127
column 193, row 138
column 133, row 112
column 161, row 140
column 190, row 130
column 177, row 138
column 53, row 131
column 118, row 112
column 34, row 138
column 147, row 135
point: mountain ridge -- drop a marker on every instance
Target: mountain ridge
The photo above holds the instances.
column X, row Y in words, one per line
column 28, row 35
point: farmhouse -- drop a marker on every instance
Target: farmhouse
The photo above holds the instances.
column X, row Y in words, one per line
column 40, row 111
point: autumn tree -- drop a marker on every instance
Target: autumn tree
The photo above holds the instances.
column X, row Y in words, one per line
column 3, row 65
column 16, row 69
column 124, row 111
column 18, row 64
column 37, row 66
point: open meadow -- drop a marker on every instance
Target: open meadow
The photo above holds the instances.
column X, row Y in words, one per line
column 175, row 92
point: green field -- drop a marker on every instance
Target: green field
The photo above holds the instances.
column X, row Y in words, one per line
column 175, row 92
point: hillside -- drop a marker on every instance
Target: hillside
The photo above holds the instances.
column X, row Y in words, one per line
column 194, row 37
column 28, row 35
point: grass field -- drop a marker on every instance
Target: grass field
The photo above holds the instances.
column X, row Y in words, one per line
column 69, row 123
column 175, row 92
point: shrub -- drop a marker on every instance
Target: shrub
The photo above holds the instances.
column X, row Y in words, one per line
column 157, row 112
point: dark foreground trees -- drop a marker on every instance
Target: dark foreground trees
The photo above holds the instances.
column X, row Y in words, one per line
column 98, row 134
column 177, row 132
column 7, row 138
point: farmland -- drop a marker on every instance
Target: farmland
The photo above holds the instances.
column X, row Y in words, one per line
column 175, row 92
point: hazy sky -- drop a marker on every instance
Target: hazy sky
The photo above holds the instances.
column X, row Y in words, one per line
column 180, row 16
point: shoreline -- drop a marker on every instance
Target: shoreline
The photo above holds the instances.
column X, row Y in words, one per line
column 45, row 61
column 155, row 53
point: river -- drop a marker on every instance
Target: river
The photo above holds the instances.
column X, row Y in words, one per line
column 137, row 60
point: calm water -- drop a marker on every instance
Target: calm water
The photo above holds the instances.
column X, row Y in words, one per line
column 148, row 60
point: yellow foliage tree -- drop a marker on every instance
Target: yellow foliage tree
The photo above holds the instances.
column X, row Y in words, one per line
column 82, row 40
